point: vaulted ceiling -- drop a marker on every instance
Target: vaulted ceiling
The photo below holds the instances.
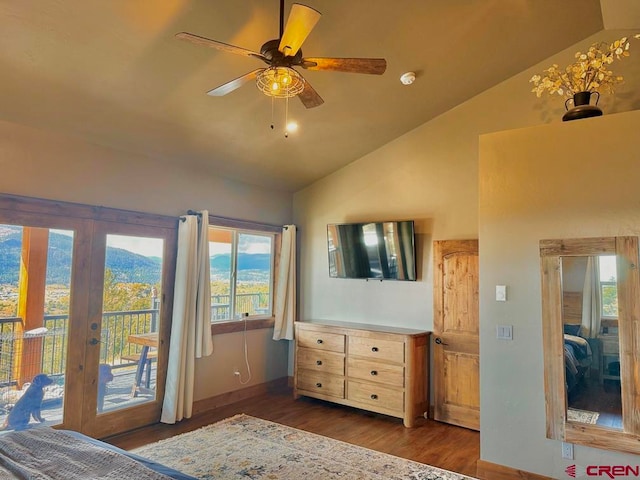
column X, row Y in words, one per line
column 113, row 73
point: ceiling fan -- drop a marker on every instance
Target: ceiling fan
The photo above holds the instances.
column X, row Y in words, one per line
column 279, row 78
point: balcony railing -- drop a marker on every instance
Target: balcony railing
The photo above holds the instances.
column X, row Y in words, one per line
column 53, row 338
column 251, row 303
column 47, row 346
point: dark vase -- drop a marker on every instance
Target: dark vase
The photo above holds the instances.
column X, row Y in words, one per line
column 581, row 107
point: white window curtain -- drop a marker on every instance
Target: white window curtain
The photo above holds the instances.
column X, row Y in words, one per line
column 591, row 301
column 285, row 304
column 191, row 320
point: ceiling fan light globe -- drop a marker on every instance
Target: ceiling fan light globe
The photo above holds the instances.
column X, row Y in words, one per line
column 280, row 82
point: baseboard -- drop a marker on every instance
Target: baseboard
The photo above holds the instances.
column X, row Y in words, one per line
column 493, row 471
column 237, row 395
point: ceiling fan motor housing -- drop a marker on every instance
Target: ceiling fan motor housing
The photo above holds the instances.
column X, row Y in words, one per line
column 276, row 58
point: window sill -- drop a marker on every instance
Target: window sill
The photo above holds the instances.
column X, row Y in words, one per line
column 219, row 328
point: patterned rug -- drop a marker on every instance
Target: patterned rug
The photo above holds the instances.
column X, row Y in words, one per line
column 582, row 416
column 244, row 447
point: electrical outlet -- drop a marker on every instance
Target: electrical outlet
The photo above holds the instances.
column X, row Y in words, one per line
column 567, row 450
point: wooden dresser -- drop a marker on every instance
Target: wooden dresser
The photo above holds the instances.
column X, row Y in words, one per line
column 376, row 368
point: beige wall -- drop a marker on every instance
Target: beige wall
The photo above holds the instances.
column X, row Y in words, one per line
column 45, row 165
column 267, row 361
column 431, row 175
column 578, row 179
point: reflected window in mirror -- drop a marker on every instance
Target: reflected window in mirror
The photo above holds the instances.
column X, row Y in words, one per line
column 591, row 309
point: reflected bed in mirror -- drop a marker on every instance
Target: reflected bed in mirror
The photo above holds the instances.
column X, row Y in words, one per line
column 590, row 310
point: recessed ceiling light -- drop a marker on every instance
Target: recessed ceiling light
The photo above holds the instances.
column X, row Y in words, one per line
column 292, row 127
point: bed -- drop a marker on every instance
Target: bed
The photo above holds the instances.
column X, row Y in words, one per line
column 578, row 358
column 46, row 453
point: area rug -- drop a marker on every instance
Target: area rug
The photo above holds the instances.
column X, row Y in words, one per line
column 582, row 416
column 245, row 447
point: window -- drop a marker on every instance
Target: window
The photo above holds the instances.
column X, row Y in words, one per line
column 242, row 264
column 608, row 286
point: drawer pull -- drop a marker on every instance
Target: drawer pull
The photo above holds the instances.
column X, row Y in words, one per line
column 319, row 385
column 318, row 362
column 374, row 349
column 374, row 372
column 319, row 341
column 374, row 396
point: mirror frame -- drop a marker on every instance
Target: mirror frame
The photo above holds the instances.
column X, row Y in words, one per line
column 558, row 426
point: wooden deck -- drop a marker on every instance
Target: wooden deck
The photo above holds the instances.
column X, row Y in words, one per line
column 118, row 395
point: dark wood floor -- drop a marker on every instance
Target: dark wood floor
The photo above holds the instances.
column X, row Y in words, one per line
column 604, row 397
column 438, row 444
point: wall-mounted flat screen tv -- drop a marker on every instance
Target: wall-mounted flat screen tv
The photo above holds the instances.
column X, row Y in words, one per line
column 377, row 250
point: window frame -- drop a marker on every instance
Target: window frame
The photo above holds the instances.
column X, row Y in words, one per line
column 246, row 226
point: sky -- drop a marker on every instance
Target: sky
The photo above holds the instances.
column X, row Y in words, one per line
column 608, row 268
column 152, row 247
column 149, row 247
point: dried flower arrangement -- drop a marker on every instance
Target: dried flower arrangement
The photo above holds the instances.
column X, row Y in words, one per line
column 589, row 73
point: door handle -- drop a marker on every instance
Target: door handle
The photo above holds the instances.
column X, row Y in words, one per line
column 440, row 342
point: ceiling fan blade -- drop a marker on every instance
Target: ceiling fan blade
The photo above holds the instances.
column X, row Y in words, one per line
column 224, row 47
column 309, row 97
column 373, row 66
column 229, row 87
column 301, row 21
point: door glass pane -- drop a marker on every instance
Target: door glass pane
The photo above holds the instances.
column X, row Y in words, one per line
column 35, row 292
column 253, row 281
column 129, row 339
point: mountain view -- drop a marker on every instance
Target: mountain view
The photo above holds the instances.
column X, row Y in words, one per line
column 126, row 266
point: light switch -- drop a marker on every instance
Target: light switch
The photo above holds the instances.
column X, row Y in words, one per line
column 504, row 332
column 501, row 293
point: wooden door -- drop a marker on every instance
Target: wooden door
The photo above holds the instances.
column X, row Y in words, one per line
column 116, row 316
column 456, row 351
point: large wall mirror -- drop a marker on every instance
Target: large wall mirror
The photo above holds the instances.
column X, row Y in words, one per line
column 591, row 329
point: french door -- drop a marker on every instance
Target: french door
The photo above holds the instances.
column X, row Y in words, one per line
column 85, row 299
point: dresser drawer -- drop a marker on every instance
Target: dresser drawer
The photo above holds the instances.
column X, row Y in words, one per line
column 372, row 394
column 322, row 383
column 376, row 372
column 376, row 349
column 332, row 342
column 320, row 360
